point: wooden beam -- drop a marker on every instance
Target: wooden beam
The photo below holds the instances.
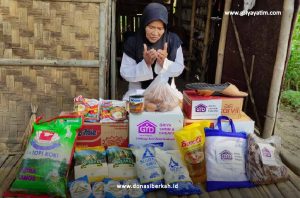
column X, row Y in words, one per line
column 113, row 70
column 54, row 63
column 281, row 56
column 103, row 28
column 80, row 1
column 222, row 43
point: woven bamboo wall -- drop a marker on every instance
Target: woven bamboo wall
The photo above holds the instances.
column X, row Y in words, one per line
column 33, row 29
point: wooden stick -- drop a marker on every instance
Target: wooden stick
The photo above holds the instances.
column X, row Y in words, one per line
column 29, row 129
column 222, row 43
column 80, row 1
column 113, row 70
column 245, row 72
column 54, row 63
column 188, row 69
column 280, row 62
column 103, row 28
column 250, row 79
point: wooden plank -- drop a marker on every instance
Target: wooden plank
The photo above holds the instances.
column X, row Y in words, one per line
column 54, row 63
column 12, row 175
column 225, row 193
column 247, row 193
column 193, row 196
column 285, row 190
column 293, row 188
column 215, row 194
column 235, row 193
column 2, row 159
column 8, row 160
column 272, row 188
column 255, row 192
column 261, row 191
column 5, row 170
column 204, row 195
column 294, row 179
column 267, row 191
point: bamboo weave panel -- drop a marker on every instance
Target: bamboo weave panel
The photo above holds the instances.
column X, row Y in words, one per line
column 51, row 88
column 33, row 29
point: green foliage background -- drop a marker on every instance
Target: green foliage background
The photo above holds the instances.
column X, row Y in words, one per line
column 291, row 94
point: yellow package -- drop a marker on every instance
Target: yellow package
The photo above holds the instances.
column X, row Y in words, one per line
column 190, row 141
column 91, row 161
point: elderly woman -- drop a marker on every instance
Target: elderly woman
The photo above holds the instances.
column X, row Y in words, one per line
column 152, row 47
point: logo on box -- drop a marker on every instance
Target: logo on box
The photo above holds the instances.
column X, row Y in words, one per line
column 146, row 127
column 200, row 108
column 87, row 132
column 226, row 155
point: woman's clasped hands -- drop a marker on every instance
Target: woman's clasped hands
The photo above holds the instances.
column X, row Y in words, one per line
column 152, row 55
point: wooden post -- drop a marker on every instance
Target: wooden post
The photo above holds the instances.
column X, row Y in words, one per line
column 222, row 42
column 113, row 72
column 281, row 56
column 103, row 28
column 188, row 69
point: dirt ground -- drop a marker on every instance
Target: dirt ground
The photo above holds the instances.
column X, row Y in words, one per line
column 288, row 128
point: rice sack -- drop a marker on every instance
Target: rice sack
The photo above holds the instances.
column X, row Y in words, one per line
column 190, row 140
column 47, row 157
column 121, row 163
column 91, row 161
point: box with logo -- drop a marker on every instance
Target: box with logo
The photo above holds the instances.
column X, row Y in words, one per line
column 155, row 127
column 104, row 134
column 211, row 107
column 89, row 135
column 245, row 123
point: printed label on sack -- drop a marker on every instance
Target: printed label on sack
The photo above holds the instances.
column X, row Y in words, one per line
column 229, row 155
column 267, row 154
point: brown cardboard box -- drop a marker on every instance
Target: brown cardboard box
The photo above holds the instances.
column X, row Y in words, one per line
column 103, row 134
column 211, row 107
column 114, row 133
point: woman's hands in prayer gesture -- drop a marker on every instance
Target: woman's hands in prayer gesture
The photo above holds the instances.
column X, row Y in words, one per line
column 151, row 55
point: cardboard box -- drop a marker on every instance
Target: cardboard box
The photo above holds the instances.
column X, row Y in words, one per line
column 245, row 124
column 114, row 133
column 154, row 127
column 211, row 107
column 89, row 135
column 103, row 134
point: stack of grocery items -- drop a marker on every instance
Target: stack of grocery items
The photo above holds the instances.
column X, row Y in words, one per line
column 149, row 142
column 233, row 156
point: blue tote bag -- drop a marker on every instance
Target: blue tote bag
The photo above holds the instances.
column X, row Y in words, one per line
column 225, row 158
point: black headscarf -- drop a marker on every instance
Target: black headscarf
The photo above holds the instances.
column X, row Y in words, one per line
column 134, row 45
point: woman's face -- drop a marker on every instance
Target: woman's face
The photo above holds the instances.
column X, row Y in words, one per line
column 154, row 31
